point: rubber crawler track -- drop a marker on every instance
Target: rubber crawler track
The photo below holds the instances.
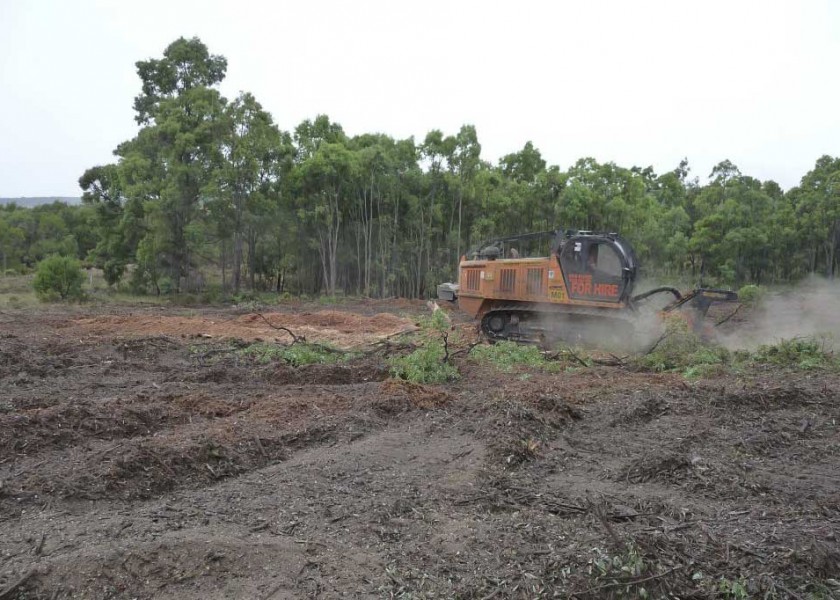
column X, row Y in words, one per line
column 557, row 316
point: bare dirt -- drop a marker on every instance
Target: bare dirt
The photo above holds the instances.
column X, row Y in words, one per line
column 143, row 455
column 341, row 329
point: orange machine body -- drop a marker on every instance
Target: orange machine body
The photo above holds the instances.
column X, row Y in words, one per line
column 594, row 278
column 484, row 284
column 586, row 278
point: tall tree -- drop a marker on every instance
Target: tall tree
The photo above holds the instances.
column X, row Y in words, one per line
column 183, row 117
column 245, row 182
column 323, row 179
column 818, row 204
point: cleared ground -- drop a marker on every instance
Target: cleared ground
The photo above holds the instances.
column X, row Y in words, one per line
column 147, row 453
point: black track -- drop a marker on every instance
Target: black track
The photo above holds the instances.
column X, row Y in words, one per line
column 546, row 324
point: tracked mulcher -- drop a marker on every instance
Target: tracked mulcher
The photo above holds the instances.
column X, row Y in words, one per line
column 583, row 289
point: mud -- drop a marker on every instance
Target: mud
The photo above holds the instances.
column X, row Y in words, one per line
column 143, row 456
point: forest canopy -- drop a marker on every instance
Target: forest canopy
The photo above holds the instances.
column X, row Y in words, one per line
column 212, row 188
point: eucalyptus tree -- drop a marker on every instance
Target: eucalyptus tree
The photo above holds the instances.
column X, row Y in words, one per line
column 322, row 181
column 253, row 154
column 11, row 243
column 118, row 228
column 465, row 161
column 170, row 161
column 818, row 206
column 376, row 167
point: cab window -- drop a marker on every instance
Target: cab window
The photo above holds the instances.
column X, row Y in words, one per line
column 604, row 258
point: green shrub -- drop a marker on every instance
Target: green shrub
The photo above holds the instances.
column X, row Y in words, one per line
column 680, row 349
column 146, row 276
column 424, row 365
column 434, row 326
column 329, row 300
column 626, row 572
column 802, row 353
column 112, row 271
column 245, row 297
column 428, row 363
column 733, row 589
column 58, row 278
column 166, row 286
column 296, row 354
column 751, row 294
column 508, row 355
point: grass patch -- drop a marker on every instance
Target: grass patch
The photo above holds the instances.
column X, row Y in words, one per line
column 19, row 301
column 16, row 284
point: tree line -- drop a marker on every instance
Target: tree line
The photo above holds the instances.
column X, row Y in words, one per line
column 212, row 188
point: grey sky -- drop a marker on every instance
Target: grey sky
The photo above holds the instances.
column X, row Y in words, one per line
column 635, row 82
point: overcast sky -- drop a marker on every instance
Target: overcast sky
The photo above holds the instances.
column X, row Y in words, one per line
column 634, row 82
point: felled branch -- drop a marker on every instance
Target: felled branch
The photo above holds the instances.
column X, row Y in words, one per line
column 656, row 344
column 732, row 314
column 295, row 338
column 11, row 588
column 445, row 337
column 465, row 351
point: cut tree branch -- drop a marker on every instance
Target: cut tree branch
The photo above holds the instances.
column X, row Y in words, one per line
column 295, row 338
column 732, row 314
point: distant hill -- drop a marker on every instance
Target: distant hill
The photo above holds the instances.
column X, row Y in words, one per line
column 29, row 202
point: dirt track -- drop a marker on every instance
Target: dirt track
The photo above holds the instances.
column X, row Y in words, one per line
column 143, row 456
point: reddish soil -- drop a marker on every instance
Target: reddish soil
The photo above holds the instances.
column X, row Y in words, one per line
column 140, row 458
column 342, row 329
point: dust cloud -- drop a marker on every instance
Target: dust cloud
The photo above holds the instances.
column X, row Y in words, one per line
column 809, row 310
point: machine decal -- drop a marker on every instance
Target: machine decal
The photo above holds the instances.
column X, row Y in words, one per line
column 582, row 285
column 557, row 293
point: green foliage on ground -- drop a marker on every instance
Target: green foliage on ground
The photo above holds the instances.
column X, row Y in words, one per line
column 800, row 353
column 424, row 365
column 429, row 362
column 58, row 278
column 733, row 589
column 297, row 354
column 681, row 349
column 508, row 356
column 626, row 574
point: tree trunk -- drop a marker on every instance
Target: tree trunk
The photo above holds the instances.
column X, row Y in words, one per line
column 393, row 262
column 359, row 276
column 237, row 261
column 252, row 258
column 223, row 257
column 460, row 211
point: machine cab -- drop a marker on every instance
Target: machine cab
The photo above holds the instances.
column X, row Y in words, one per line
column 597, row 267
